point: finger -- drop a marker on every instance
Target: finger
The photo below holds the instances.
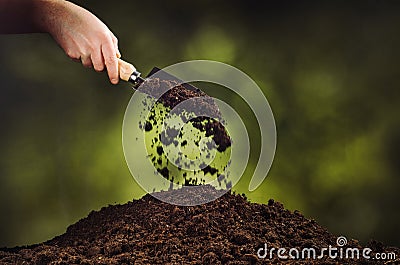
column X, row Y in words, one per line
column 111, row 61
column 97, row 61
column 86, row 61
column 73, row 56
column 115, row 41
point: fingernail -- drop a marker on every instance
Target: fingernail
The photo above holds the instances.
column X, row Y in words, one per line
column 114, row 81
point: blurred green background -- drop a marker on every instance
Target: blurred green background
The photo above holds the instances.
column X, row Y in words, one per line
column 328, row 68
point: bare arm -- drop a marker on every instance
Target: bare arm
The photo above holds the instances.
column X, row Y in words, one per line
column 78, row 32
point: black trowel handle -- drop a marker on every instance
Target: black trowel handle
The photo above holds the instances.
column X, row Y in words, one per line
column 128, row 72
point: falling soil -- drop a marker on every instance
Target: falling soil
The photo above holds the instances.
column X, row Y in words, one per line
column 202, row 113
column 229, row 230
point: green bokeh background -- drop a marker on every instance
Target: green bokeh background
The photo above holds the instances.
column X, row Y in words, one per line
column 330, row 70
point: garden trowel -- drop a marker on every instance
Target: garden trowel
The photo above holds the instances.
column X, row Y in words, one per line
column 128, row 72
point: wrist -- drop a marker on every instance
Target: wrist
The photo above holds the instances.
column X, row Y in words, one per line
column 45, row 13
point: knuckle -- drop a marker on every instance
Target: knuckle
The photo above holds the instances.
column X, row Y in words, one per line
column 111, row 60
column 115, row 39
column 71, row 54
column 86, row 54
column 87, row 62
column 104, row 34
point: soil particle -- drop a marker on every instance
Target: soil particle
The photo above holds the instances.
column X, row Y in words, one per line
column 148, row 126
column 228, row 230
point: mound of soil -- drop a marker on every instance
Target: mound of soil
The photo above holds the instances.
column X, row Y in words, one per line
column 229, row 230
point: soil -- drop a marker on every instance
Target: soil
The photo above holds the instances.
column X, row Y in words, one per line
column 171, row 92
column 228, row 230
column 201, row 112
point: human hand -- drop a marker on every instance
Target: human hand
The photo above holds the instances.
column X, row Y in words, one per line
column 81, row 35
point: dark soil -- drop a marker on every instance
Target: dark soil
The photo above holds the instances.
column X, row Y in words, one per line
column 201, row 111
column 228, row 230
column 171, row 92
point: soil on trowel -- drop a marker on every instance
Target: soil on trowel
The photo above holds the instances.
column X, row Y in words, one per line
column 229, row 230
column 176, row 92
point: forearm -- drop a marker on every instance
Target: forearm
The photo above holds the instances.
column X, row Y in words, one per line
column 30, row 16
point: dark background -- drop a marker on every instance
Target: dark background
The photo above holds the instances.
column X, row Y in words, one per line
column 328, row 68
